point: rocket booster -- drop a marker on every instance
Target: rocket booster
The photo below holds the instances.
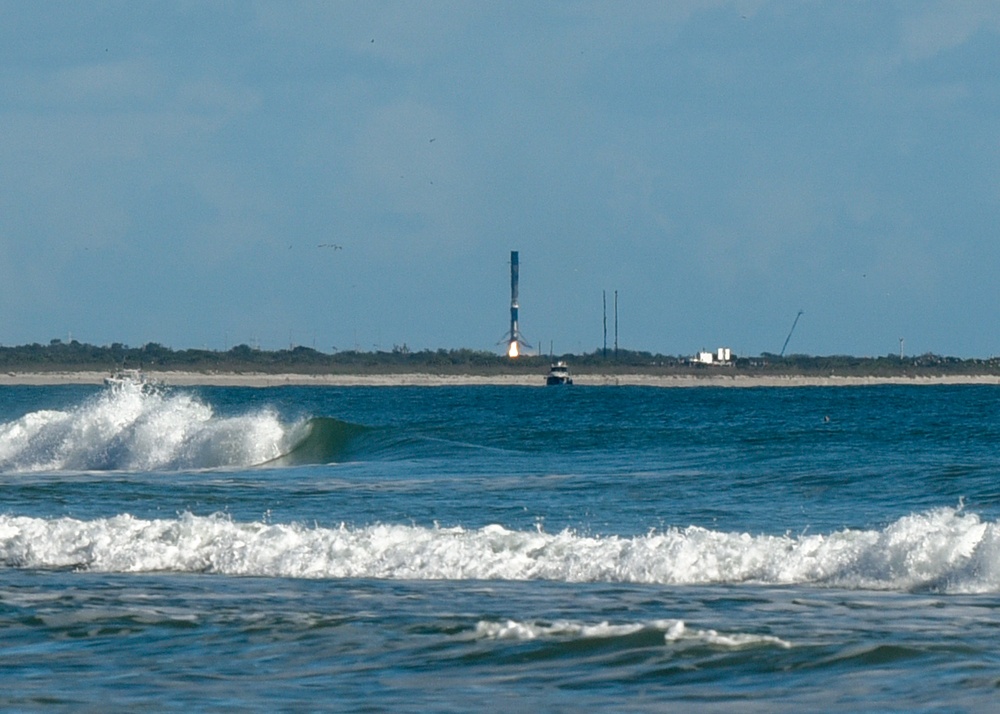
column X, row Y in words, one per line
column 514, row 333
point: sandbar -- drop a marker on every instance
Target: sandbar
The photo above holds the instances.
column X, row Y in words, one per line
column 259, row 379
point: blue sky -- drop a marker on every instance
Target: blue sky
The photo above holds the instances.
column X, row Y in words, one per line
column 178, row 172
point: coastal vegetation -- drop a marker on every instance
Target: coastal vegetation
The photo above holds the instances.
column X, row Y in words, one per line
column 60, row 356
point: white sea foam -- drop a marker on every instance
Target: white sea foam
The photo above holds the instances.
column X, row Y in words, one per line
column 674, row 632
column 678, row 632
column 131, row 427
column 945, row 549
column 514, row 630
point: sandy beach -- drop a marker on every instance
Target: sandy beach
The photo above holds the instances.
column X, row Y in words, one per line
column 251, row 379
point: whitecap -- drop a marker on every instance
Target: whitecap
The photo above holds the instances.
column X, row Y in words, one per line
column 944, row 549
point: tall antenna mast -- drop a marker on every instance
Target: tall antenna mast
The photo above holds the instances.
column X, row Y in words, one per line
column 604, row 301
column 616, row 324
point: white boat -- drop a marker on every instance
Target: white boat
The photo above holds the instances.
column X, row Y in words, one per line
column 124, row 378
column 558, row 374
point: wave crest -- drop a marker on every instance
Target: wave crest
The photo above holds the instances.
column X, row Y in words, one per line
column 944, row 549
column 131, row 427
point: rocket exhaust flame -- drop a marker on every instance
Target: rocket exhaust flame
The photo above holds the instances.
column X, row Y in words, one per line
column 512, row 350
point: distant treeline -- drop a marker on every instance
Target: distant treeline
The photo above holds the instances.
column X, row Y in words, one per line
column 77, row 356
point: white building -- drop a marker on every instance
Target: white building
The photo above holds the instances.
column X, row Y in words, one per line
column 722, row 356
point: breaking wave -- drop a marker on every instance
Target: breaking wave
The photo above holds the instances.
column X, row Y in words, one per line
column 945, row 550
column 132, row 427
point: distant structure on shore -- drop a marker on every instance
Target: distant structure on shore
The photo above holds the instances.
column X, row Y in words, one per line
column 796, row 321
column 722, row 357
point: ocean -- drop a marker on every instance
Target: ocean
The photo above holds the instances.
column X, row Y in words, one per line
column 460, row 549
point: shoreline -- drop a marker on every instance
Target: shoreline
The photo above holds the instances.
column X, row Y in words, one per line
column 261, row 380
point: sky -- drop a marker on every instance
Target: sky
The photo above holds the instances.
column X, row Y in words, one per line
column 354, row 175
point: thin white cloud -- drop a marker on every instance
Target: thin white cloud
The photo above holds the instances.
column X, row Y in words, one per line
column 945, row 24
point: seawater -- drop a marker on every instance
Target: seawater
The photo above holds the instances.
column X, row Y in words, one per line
column 500, row 548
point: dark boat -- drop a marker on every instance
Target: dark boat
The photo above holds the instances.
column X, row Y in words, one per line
column 559, row 374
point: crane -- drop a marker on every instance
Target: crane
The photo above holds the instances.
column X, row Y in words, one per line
column 790, row 334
